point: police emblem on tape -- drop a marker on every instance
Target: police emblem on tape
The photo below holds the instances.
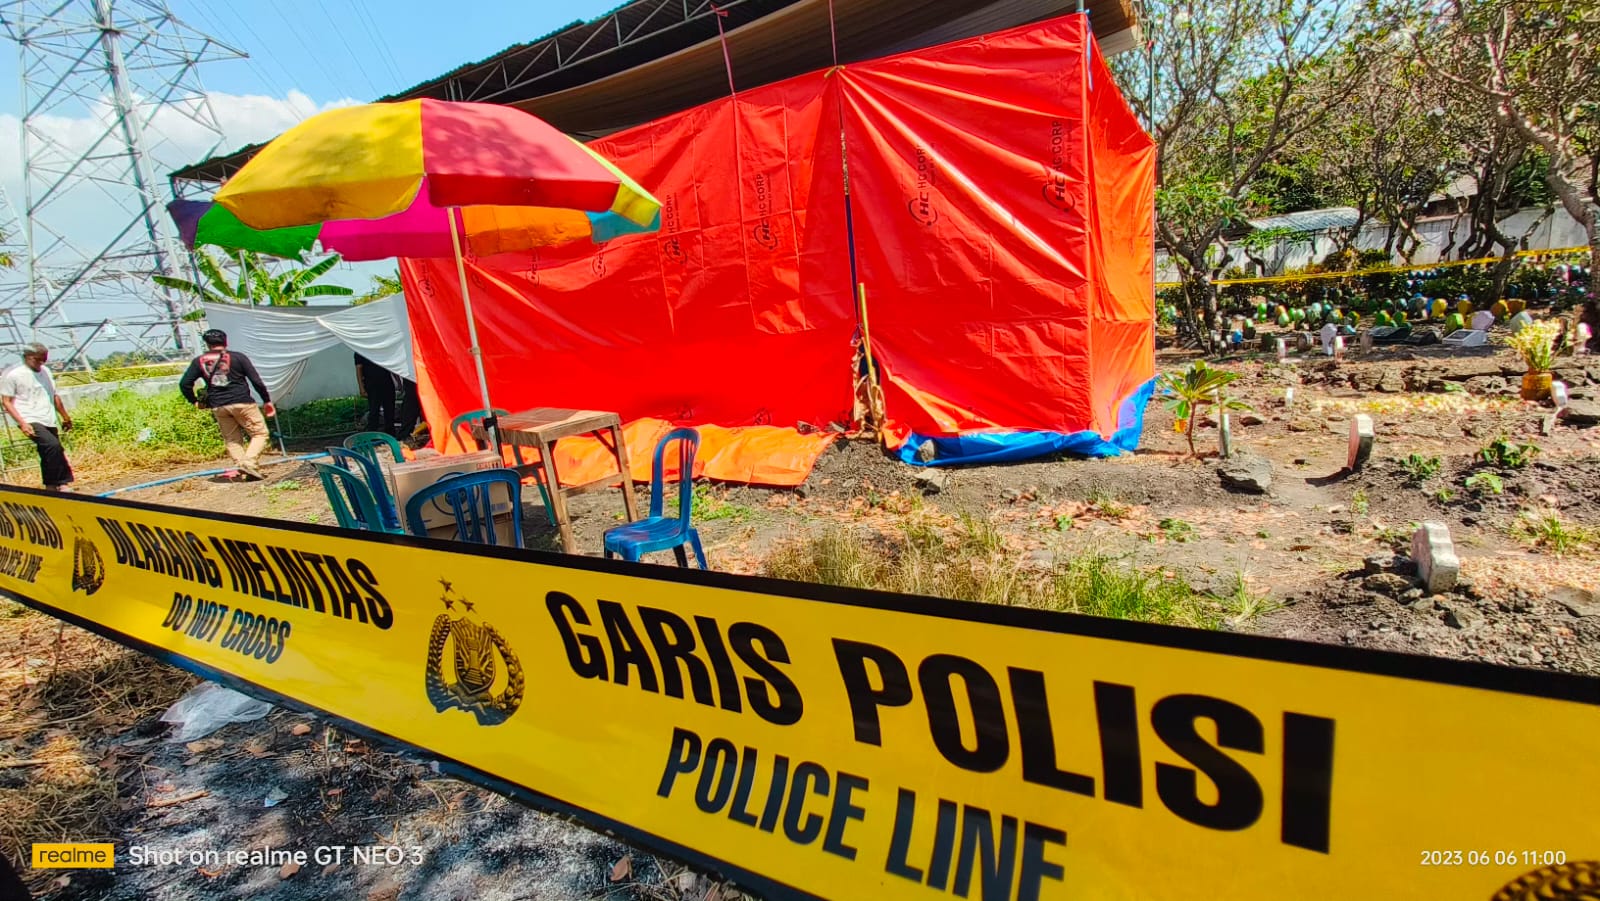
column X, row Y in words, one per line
column 478, row 653
column 1575, row 881
column 88, row 570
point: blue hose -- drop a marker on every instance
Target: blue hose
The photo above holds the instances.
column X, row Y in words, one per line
column 206, row 472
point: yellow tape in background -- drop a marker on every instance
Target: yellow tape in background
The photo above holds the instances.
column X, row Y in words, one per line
column 1383, row 270
column 816, row 743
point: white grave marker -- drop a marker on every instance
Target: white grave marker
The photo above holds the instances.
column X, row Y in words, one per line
column 1361, row 438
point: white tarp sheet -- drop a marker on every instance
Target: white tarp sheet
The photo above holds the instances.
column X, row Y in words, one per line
column 282, row 342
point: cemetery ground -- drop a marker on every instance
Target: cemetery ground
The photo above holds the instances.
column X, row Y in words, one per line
column 1154, row 535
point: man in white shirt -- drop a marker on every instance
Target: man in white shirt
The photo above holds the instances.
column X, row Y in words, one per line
column 30, row 398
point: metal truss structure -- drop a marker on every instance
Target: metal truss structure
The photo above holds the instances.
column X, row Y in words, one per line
column 95, row 76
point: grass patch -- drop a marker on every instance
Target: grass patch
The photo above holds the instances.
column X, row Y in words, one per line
column 62, row 692
column 1177, row 530
column 972, row 563
column 132, row 430
column 1108, row 506
column 1549, row 531
column 1483, row 483
column 1359, row 503
column 329, row 417
column 707, row 507
column 125, row 430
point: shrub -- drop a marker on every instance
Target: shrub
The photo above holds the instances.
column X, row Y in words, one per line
column 172, row 430
column 1420, row 469
column 972, row 563
column 1501, row 453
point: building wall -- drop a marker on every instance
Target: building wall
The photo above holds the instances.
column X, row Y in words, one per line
column 1557, row 231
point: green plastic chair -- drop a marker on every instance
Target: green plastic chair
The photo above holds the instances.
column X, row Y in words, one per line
column 352, row 503
column 366, row 444
column 465, row 436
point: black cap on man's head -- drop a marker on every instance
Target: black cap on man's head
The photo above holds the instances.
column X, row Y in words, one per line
column 215, row 338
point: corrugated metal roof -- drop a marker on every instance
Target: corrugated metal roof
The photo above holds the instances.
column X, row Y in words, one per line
column 637, row 63
column 1310, row 220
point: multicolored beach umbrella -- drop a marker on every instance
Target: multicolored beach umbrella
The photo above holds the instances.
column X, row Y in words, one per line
column 379, row 180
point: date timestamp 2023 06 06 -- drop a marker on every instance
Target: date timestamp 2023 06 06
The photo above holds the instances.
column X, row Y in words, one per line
column 1476, row 858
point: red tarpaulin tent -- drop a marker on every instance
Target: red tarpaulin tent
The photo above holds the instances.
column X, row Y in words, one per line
column 1001, row 200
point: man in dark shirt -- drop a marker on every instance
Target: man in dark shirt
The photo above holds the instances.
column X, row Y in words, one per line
column 377, row 386
column 228, row 376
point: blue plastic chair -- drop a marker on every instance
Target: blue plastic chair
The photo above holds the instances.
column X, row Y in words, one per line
column 366, row 444
column 469, row 496
column 464, row 435
column 377, row 485
column 353, row 505
column 658, row 532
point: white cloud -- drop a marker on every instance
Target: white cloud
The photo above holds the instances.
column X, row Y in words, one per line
column 90, row 214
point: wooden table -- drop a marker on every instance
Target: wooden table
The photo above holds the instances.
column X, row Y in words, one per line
column 540, row 429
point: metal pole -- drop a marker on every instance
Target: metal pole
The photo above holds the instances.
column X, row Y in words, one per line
column 143, row 181
column 490, row 422
column 27, row 196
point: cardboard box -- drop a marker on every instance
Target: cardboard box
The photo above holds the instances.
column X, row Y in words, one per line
column 406, row 479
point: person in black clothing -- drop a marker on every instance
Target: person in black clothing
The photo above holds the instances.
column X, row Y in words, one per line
column 228, row 376
column 377, row 386
column 410, row 407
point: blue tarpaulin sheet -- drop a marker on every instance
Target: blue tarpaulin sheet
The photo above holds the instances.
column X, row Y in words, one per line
column 1008, row 447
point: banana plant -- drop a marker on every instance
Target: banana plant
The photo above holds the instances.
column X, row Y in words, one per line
column 1191, row 391
column 257, row 285
column 382, row 286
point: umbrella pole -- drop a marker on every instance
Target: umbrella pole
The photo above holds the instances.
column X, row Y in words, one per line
column 490, row 422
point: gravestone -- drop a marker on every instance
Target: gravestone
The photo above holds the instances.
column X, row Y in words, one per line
column 1435, row 554
column 1519, row 320
column 1288, row 396
column 1558, row 394
column 1225, row 435
column 1584, row 335
column 1482, row 320
column 1328, row 332
column 1361, row 438
column 1338, row 347
column 1283, row 350
column 1366, row 341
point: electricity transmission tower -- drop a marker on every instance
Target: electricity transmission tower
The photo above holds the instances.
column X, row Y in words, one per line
column 109, row 89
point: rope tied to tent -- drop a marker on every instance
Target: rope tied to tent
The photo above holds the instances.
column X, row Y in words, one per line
column 727, row 58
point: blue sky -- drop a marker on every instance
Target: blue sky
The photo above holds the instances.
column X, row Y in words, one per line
column 360, row 49
column 304, row 56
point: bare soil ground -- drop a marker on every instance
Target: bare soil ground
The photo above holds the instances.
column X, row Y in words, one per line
column 82, row 753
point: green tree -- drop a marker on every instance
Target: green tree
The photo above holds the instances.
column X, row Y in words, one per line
column 257, row 285
column 1389, row 150
column 1228, row 87
column 1534, row 68
column 1533, row 65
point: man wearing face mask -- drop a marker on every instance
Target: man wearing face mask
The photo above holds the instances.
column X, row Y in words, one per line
column 228, row 376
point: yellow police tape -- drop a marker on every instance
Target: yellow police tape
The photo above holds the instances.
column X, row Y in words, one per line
column 1384, row 270
column 810, row 742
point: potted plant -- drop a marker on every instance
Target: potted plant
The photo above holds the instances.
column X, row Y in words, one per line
column 1536, row 343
